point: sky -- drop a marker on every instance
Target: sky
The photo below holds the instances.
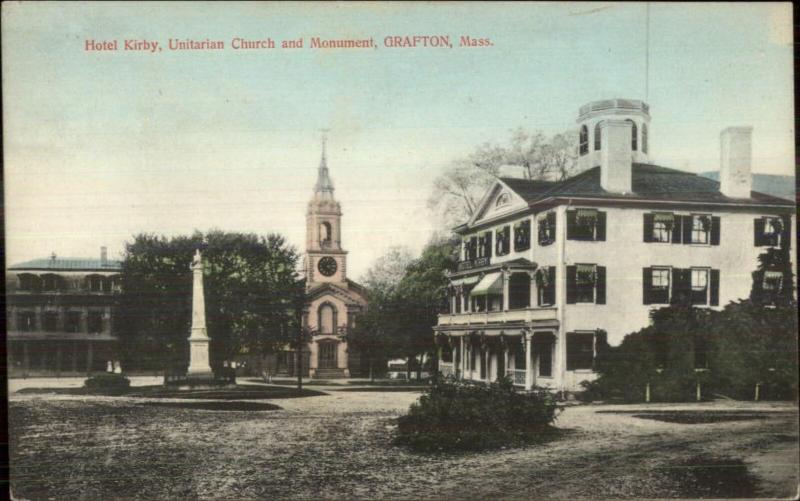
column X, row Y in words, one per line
column 102, row 145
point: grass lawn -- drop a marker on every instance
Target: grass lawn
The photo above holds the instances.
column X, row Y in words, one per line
column 339, row 445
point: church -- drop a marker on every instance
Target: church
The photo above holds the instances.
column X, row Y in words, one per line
column 332, row 300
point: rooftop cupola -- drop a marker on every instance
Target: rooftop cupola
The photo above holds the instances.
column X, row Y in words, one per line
column 613, row 134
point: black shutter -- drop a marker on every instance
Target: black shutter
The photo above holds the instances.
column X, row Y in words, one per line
column 758, row 232
column 687, row 229
column 677, row 230
column 647, row 285
column 715, row 230
column 572, row 293
column 786, row 232
column 600, row 293
column 551, row 222
column 572, row 223
column 714, row 284
column 600, row 235
column 648, row 228
column 550, row 291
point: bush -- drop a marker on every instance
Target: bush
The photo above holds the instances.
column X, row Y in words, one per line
column 458, row 415
column 107, row 384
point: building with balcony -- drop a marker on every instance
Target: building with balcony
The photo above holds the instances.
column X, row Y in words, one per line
column 551, row 271
column 60, row 315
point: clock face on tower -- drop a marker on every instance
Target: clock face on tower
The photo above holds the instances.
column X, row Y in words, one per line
column 327, row 266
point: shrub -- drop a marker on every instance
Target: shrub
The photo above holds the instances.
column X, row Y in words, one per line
column 458, row 415
column 107, row 384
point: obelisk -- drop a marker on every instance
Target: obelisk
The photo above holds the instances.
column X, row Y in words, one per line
column 198, row 340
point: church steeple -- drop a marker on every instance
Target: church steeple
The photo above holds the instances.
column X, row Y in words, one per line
column 324, row 183
column 325, row 258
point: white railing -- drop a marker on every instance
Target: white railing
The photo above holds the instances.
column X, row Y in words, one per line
column 485, row 317
column 517, row 376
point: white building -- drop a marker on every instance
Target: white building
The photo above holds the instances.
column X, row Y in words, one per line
column 549, row 269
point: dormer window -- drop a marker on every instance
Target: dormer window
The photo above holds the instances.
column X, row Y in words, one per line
column 583, row 146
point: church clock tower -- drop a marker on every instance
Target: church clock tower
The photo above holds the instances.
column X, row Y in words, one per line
column 326, row 261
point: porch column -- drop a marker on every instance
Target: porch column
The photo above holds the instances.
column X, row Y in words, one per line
column 506, row 280
column 506, row 359
column 75, row 356
column 528, row 362
column 534, row 298
column 89, row 356
column 26, row 361
column 463, row 358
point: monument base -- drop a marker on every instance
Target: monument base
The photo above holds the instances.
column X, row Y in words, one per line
column 199, row 381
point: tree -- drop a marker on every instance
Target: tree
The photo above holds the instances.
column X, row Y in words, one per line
column 375, row 333
column 251, row 289
column 458, row 190
column 423, row 295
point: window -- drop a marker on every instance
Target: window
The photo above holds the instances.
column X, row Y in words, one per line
column 51, row 282
column 502, row 200
column 773, row 281
column 659, row 227
column 597, row 137
column 586, row 283
column 768, row 231
column 656, row 285
column 96, row 283
column 699, row 286
column 519, row 291
column 95, row 322
column 644, row 138
column 546, row 285
column 701, row 226
column 503, row 243
column 583, row 146
column 50, row 321
column 327, row 319
column 547, row 229
column 519, row 357
column 26, row 321
column 634, row 135
column 73, row 321
column 586, row 224
column 471, row 248
column 485, row 245
column 29, row 282
column 522, row 236
column 543, row 350
column 580, row 351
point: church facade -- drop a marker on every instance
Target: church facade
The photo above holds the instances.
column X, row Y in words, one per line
column 333, row 301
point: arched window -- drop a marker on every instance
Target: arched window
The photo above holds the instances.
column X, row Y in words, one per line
column 96, row 283
column 634, row 135
column 584, row 140
column 325, row 233
column 327, row 319
column 52, row 282
column 644, row 138
column 597, row 137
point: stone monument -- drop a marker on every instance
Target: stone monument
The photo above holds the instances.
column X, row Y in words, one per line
column 198, row 340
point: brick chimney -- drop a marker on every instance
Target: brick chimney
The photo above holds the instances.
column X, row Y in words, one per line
column 103, row 256
column 615, row 155
column 735, row 178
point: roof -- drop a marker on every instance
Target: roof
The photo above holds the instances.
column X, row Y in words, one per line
column 649, row 182
column 69, row 263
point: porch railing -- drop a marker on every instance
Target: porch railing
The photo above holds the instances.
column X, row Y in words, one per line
column 446, row 369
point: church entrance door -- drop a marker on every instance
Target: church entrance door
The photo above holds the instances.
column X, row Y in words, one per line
column 327, row 354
